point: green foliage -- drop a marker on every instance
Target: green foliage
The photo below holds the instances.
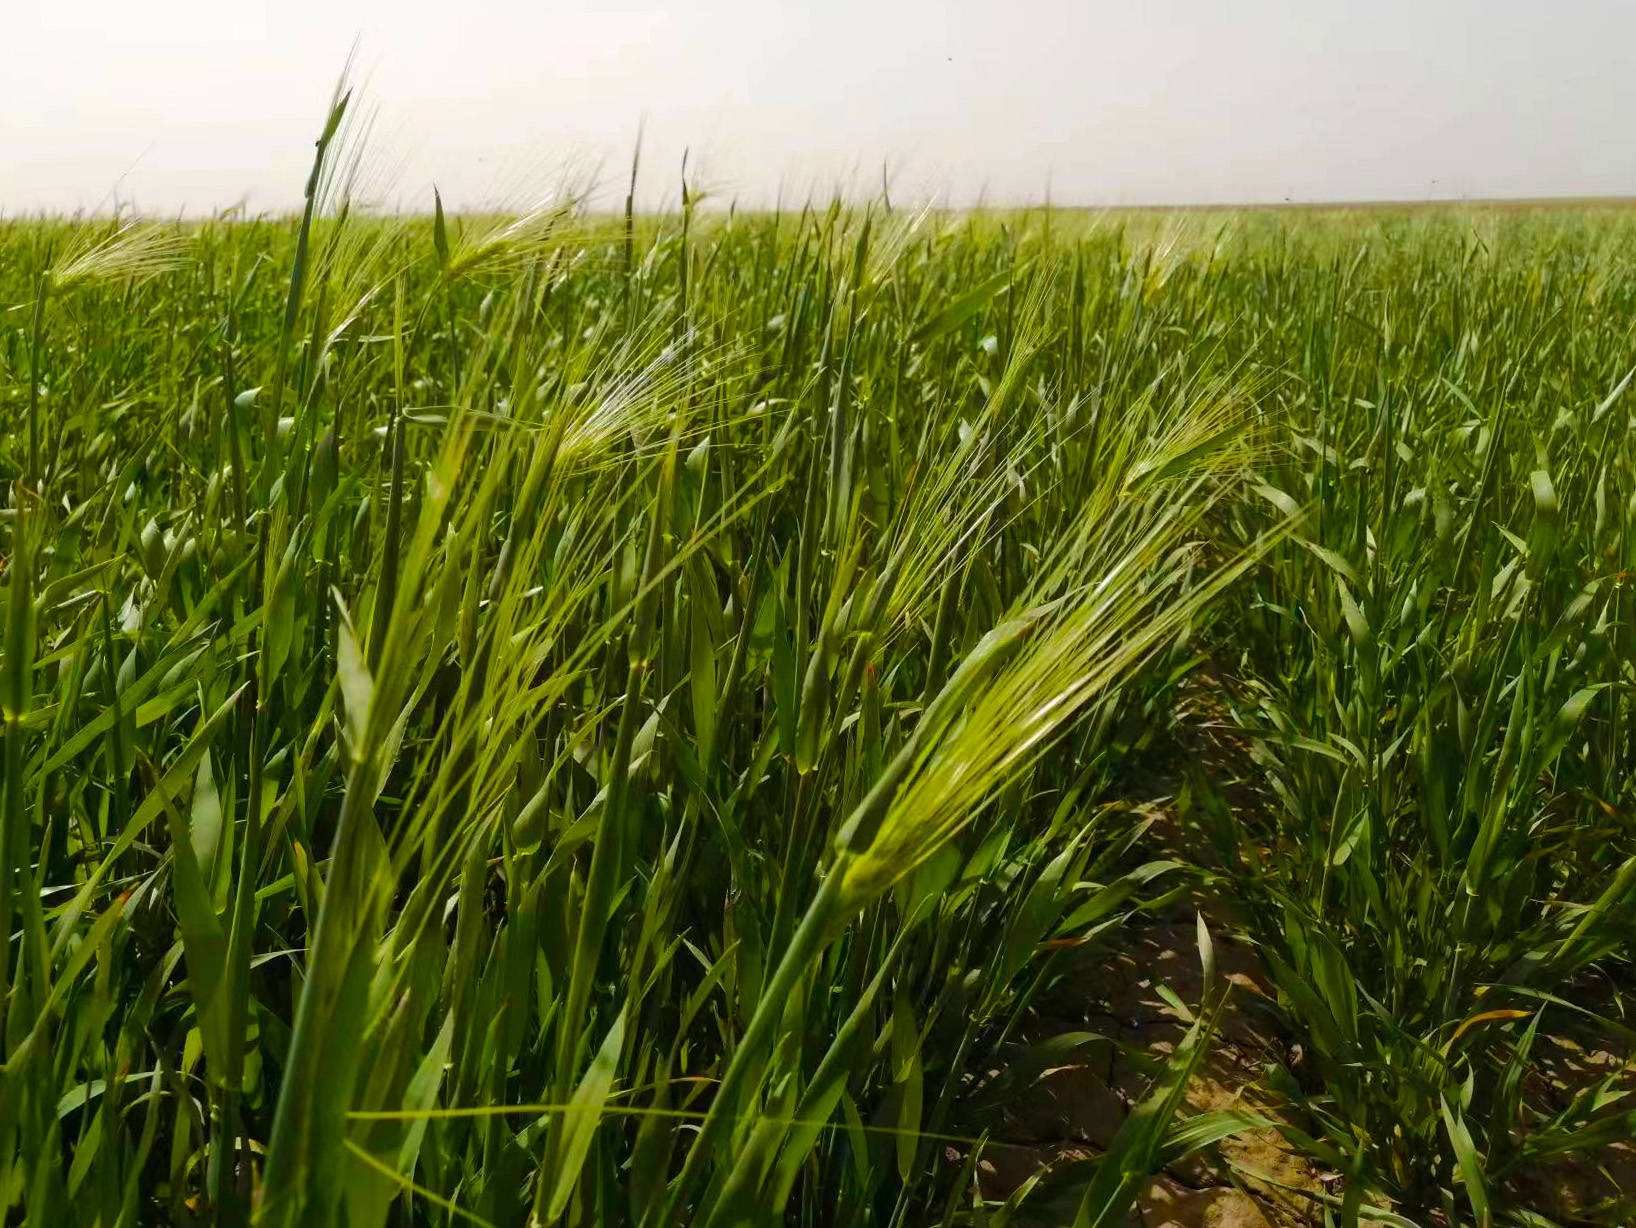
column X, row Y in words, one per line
column 528, row 720
column 544, row 720
column 1437, row 679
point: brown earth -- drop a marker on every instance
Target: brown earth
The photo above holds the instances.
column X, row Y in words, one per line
column 1070, row 1112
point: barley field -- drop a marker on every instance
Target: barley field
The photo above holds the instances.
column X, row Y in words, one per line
column 679, row 719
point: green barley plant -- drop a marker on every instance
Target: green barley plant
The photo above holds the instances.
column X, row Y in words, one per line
column 499, row 732
column 542, row 719
column 1436, row 677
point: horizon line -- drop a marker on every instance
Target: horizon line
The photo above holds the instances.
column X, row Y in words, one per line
column 1381, row 204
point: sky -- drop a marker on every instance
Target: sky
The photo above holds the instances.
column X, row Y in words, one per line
column 200, row 104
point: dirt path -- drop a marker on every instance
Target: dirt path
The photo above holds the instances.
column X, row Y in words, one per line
column 1140, row 990
column 1072, row 1110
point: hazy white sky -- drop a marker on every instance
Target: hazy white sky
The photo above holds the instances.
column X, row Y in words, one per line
column 197, row 103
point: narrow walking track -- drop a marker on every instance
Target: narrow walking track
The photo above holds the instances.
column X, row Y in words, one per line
column 1138, row 994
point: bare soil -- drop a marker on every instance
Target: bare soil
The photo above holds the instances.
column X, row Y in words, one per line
column 1070, row 1112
